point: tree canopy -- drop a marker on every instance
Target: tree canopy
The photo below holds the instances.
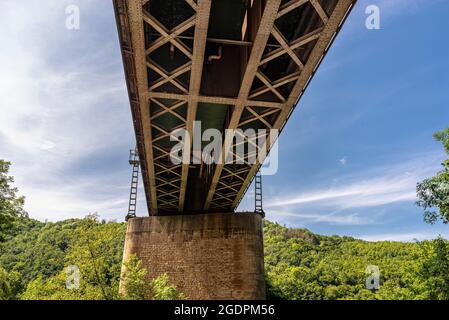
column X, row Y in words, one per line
column 433, row 193
column 38, row 260
column 36, row 257
column 333, row 267
column 11, row 205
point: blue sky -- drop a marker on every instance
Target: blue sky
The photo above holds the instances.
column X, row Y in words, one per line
column 350, row 156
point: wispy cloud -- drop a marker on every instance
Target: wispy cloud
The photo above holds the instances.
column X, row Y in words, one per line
column 333, row 218
column 355, row 199
column 64, row 109
column 376, row 187
column 403, row 237
column 367, row 193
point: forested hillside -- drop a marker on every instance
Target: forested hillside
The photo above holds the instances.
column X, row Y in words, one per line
column 299, row 264
column 35, row 255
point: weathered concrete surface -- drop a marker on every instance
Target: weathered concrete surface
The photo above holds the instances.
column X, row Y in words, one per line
column 208, row 256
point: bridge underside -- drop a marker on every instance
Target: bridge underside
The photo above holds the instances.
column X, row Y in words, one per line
column 231, row 64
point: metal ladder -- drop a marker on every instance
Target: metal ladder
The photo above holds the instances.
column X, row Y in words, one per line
column 258, row 194
column 134, row 161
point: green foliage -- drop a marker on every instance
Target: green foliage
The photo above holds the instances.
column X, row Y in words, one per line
column 33, row 248
column 9, row 284
column 5, row 286
column 434, row 270
column 52, row 288
column 328, row 268
column 40, row 253
column 433, row 193
column 11, row 205
column 299, row 265
column 443, row 137
column 97, row 252
column 37, row 255
column 135, row 285
column 161, row 289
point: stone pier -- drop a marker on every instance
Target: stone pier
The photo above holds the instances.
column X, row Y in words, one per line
column 211, row 256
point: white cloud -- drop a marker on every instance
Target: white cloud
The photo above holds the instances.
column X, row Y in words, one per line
column 334, row 218
column 75, row 198
column 376, row 187
column 402, row 237
column 63, row 108
column 368, row 193
column 356, row 199
column 343, row 161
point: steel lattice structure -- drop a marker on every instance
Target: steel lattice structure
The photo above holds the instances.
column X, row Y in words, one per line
column 269, row 50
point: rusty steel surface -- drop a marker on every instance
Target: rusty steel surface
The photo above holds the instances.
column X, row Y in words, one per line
column 232, row 64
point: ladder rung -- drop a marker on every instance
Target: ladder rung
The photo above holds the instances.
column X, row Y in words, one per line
column 258, row 197
column 134, row 185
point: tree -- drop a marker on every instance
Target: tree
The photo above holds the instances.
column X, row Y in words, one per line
column 95, row 252
column 9, row 284
column 434, row 269
column 93, row 247
column 134, row 284
column 48, row 289
column 11, row 205
column 5, row 286
column 331, row 267
column 162, row 289
column 433, row 193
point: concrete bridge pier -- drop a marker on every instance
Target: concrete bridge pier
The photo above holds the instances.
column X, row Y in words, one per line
column 216, row 256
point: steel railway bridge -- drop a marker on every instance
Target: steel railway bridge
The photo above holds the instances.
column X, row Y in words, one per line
column 228, row 63
column 231, row 64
